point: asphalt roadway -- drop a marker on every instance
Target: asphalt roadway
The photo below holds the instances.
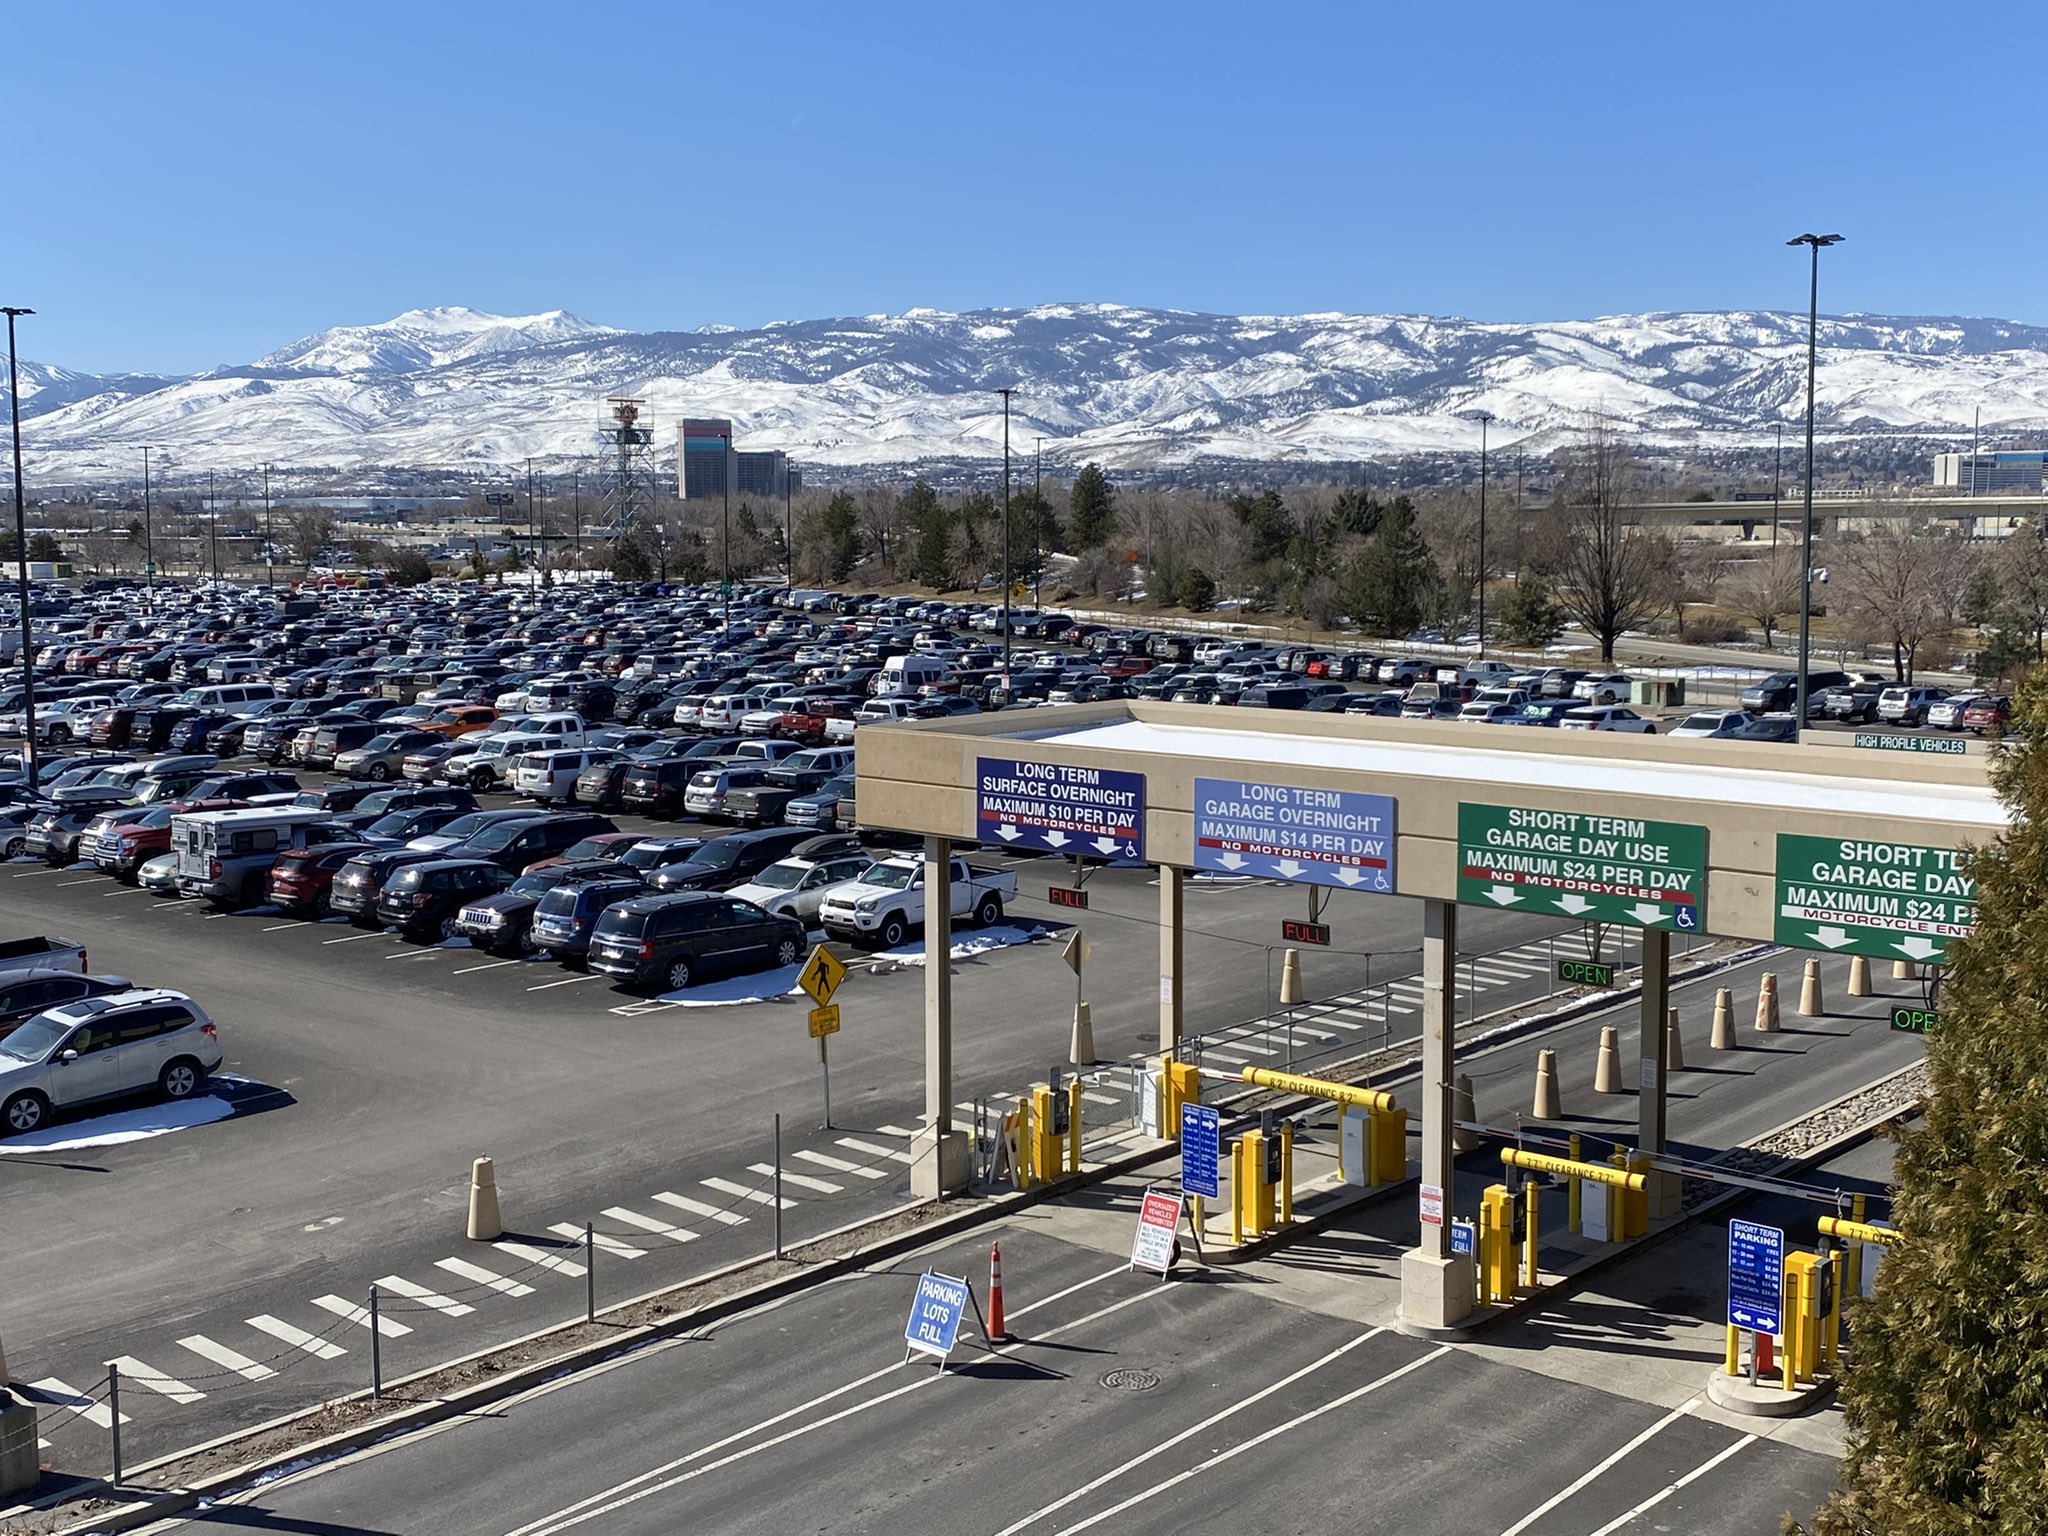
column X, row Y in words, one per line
column 1266, row 1398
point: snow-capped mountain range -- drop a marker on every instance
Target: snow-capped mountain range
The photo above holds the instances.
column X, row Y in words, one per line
column 458, row 389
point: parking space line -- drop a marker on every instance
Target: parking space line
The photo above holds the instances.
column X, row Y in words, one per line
column 620, row 1214
column 529, row 1254
column 120, row 891
column 839, row 1164
column 895, row 1130
column 295, row 923
column 142, row 1375
column 360, row 1316
column 570, row 981
column 804, row 1181
column 353, row 937
column 1092, row 1097
column 699, row 1208
column 419, row 1293
column 1599, row 1468
column 610, row 1245
column 53, row 1393
column 220, row 1354
column 478, row 1275
column 855, row 1144
column 26, row 873
column 742, row 1192
column 89, row 880
column 417, row 954
column 298, row 1338
column 1672, row 1487
column 471, row 970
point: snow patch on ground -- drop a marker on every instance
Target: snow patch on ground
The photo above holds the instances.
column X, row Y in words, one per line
column 760, row 987
column 971, row 942
column 125, row 1125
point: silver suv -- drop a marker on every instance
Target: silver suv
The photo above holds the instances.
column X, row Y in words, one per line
column 101, row 1048
column 1908, row 706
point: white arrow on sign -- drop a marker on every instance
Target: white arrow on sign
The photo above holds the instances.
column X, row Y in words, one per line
column 1648, row 913
column 1232, row 861
column 1288, row 868
column 1918, row 948
column 1349, row 875
column 1832, row 938
column 1008, row 833
column 1105, row 845
column 1504, row 895
column 1573, row 903
column 1056, row 839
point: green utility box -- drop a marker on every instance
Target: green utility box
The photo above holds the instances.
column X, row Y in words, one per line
column 1658, row 692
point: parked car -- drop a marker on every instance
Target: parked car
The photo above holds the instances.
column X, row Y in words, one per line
column 1851, row 703
column 101, row 1048
column 1907, row 704
column 24, row 994
column 1947, row 715
column 353, row 892
column 677, row 939
column 1780, row 690
column 381, row 757
column 1711, row 723
column 1992, row 712
column 796, row 887
column 567, row 915
column 1779, row 727
column 423, row 900
column 512, row 845
column 1606, row 717
column 1604, row 688
column 302, row 881
column 502, row 921
column 730, row 860
column 1543, row 712
column 887, row 904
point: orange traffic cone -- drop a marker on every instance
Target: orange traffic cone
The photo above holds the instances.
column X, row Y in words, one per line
column 995, row 1293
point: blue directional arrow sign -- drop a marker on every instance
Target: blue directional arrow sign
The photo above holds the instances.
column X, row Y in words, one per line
column 1098, row 813
column 1201, row 1132
column 1283, row 832
column 1756, row 1276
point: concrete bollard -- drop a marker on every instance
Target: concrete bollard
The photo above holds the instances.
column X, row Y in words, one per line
column 1674, row 1043
column 1905, row 970
column 1810, row 1004
column 1607, row 1070
column 1081, row 1044
column 1767, row 1004
column 1291, row 995
column 1859, row 976
column 485, row 1224
column 1464, row 1107
column 1724, row 1020
column 1548, row 1104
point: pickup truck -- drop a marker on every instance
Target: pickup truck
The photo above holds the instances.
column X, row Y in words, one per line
column 42, row 953
column 886, row 904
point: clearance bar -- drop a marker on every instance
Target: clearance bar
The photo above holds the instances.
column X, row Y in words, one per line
column 1320, row 1088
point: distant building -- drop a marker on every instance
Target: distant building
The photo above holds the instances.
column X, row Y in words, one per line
column 705, row 456
column 1986, row 474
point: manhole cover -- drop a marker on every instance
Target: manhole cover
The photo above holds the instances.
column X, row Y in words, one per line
column 1131, row 1380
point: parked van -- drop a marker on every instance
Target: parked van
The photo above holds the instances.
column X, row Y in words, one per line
column 907, row 676
column 227, row 696
column 226, row 856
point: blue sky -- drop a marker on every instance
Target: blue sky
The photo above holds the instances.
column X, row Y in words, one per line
column 211, row 180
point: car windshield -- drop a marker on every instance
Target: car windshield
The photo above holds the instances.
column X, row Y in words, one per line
column 535, row 884
column 1702, row 723
column 466, row 826
column 33, row 1039
column 394, row 824
column 385, row 742
column 782, row 877
column 496, row 836
column 651, row 855
column 890, row 877
column 446, row 717
column 718, row 854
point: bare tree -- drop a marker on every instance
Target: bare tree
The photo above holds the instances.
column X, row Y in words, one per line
column 308, row 532
column 1697, row 566
column 1606, row 571
column 1765, row 589
column 1907, row 585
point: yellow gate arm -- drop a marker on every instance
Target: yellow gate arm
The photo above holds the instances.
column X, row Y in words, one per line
column 1320, row 1088
column 1845, row 1230
column 1564, row 1167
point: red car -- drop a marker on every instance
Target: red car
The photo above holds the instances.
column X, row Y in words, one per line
column 808, row 724
column 122, row 850
column 1993, row 712
column 302, row 881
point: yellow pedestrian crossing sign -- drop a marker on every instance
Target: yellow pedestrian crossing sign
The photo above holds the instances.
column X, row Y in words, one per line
column 821, row 975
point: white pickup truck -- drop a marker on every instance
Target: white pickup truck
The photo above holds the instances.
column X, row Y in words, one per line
column 886, row 904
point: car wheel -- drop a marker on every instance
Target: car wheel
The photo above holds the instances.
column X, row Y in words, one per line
column 786, row 952
column 16, row 847
column 480, row 780
column 989, row 913
column 59, row 734
column 379, row 772
column 678, row 975
column 23, row 1113
column 180, row 1078
column 894, row 932
column 445, row 930
column 323, row 907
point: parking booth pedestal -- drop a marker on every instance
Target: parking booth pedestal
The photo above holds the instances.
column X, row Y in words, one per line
column 939, row 1163
column 1437, row 1284
column 1258, row 1163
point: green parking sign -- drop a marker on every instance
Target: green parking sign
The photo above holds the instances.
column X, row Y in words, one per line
column 1598, row 869
column 1890, row 901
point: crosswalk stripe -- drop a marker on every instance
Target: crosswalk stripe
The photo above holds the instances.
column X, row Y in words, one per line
column 1092, row 1097
column 610, row 1245
column 57, row 1394
column 839, row 1164
column 135, row 1372
column 699, row 1208
column 620, row 1214
column 855, row 1144
column 220, row 1354
column 298, row 1338
column 804, row 1181
column 446, row 1305
column 527, row 1253
column 1224, row 1053
column 478, row 1275
column 742, row 1192
column 1399, row 1008
column 894, row 1130
column 1317, row 1034
column 360, row 1316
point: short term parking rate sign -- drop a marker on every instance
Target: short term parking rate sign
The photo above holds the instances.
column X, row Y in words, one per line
column 1318, row 836
column 1098, row 812
column 1889, row 900
column 1600, row 869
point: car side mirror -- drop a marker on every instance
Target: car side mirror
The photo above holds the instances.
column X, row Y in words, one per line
column 67, row 1056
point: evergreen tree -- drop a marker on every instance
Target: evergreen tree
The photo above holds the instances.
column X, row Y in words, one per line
column 925, row 535
column 1266, row 520
column 1091, row 509
column 44, row 546
column 1391, row 581
column 1355, row 511
column 1196, row 591
column 1947, row 1401
column 829, row 539
column 1530, row 616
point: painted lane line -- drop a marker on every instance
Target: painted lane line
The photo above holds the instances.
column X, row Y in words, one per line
column 281, row 927
column 610, row 1245
column 478, row 1275
column 124, row 891
column 527, row 1253
column 821, row 1186
column 53, row 1393
column 471, row 970
column 570, row 981
column 360, row 1316
column 1090, row 1096
column 446, row 1305
column 221, row 1355
column 743, row 1192
column 855, row 1144
column 1240, row 1043
column 699, row 1208
column 142, row 1375
column 1192, row 1430
column 651, row 1224
column 1260, row 1439
column 1600, row 1467
column 1670, row 1488
column 355, row 938
column 429, row 953
column 66, row 884
column 298, row 1338
column 840, row 1164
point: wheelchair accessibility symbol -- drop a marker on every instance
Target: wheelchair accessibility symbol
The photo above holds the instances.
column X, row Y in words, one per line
column 1687, row 917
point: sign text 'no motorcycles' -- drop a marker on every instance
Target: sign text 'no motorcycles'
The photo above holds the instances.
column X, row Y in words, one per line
column 1600, row 869
column 1097, row 812
column 1887, row 900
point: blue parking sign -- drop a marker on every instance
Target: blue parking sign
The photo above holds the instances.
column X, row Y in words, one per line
column 1756, row 1276
column 1201, row 1132
column 935, row 1314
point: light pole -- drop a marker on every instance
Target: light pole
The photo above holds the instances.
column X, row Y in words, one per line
column 269, row 545
column 1038, row 521
column 1814, row 244
column 725, row 544
column 1485, row 420
column 529, row 518
column 1006, row 393
column 28, row 671
column 148, row 541
column 788, row 530
column 1777, row 465
column 212, row 527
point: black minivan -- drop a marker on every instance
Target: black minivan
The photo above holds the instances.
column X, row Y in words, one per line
column 567, row 915
column 673, row 941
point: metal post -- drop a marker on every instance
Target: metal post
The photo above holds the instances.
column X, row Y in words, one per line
column 148, row 541
column 825, row 1070
column 376, row 1351
column 1814, row 243
column 1038, row 520
column 1777, row 468
column 28, row 672
column 529, row 517
column 725, row 545
column 589, row 1272
column 269, row 544
column 114, row 1415
column 1485, row 420
column 1006, row 393
column 789, row 551
column 777, row 1206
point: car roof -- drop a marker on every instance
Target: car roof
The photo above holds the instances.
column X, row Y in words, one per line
column 81, row 1009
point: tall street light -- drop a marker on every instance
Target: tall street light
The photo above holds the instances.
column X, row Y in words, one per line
column 1777, row 464
column 788, row 529
column 1038, row 521
column 148, row 541
column 1485, row 420
column 28, row 671
column 725, row 540
column 269, row 545
column 1006, row 393
column 1814, row 244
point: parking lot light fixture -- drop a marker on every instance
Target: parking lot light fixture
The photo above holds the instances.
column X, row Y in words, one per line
column 1814, row 244
column 28, row 675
